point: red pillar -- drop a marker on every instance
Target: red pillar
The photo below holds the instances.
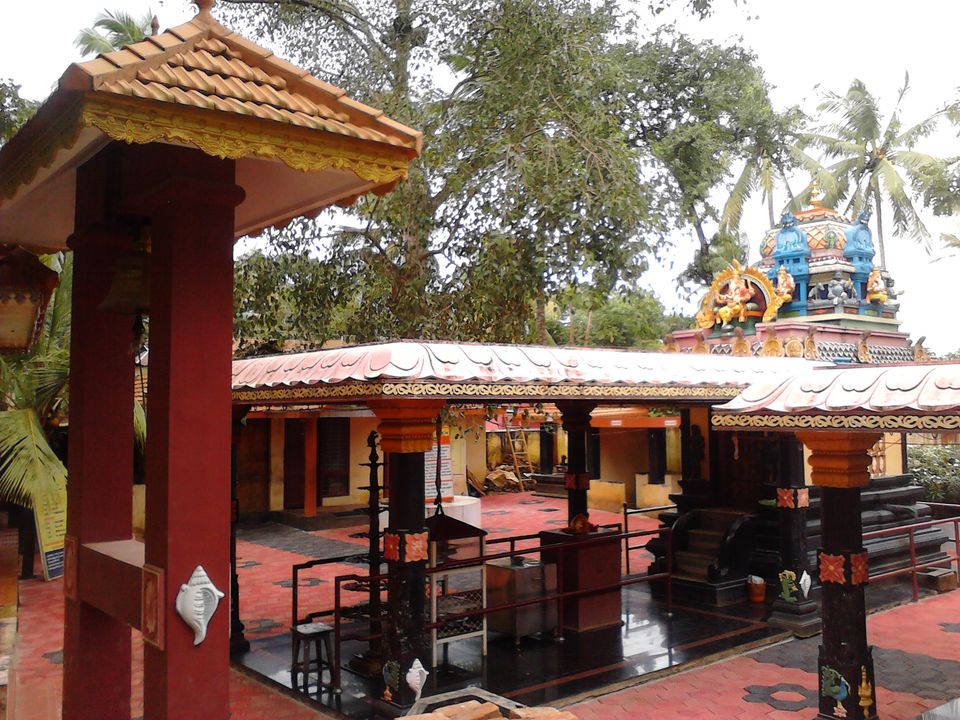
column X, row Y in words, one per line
column 310, row 467
column 191, row 198
column 96, row 657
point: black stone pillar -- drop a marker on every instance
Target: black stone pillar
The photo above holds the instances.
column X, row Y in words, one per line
column 840, row 468
column 795, row 607
column 548, row 434
column 657, row 454
column 238, row 641
column 405, row 549
column 576, row 423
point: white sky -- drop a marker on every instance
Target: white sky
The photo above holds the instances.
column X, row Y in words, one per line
column 800, row 45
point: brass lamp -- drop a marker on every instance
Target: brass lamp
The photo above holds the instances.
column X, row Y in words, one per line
column 26, row 285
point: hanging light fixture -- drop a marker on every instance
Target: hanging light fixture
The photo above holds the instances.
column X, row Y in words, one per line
column 26, row 285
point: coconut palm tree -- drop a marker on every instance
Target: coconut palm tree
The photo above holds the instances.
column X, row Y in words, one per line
column 112, row 30
column 872, row 161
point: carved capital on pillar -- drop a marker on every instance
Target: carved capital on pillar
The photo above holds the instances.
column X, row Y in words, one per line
column 839, row 460
column 576, row 414
column 407, row 426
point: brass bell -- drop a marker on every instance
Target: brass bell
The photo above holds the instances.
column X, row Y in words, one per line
column 130, row 288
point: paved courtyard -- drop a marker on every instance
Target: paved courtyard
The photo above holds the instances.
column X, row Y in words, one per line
column 917, row 646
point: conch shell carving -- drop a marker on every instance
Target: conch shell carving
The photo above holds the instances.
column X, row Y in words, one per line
column 416, row 677
column 197, row 602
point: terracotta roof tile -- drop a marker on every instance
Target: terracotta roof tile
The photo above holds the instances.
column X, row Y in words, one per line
column 145, row 49
column 122, row 57
column 206, row 66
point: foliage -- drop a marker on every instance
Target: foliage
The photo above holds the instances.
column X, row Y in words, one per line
column 936, row 468
column 14, row 110
column 532, row 183
column 112, row 30
column 33, row 401
column 873, row 160
column 702, row 109
column 624, row 319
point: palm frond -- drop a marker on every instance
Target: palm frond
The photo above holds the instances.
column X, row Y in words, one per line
column 91, row 42
column 28, row 466
column 732, row 211
column 906, row 220
column 913, row 134
column 57, row 323
column 139, row 427
column 914, row 161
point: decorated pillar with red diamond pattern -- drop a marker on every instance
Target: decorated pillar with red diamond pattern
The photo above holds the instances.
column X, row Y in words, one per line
column 795, row 607
column 840, row 463
column 407, row 430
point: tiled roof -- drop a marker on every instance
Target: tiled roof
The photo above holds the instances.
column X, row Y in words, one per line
column 451, row 365
column 204, row 65
column 923, row 388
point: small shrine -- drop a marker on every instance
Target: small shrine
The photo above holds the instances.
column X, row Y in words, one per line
column 815, row 293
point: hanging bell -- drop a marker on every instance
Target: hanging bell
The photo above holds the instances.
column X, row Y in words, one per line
column 130, row 288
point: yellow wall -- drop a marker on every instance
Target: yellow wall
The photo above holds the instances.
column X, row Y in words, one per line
column 674, row 455
column 623, row 453
column 139, row 510
column 360, row 428
column 475, row 454
column 606, row 495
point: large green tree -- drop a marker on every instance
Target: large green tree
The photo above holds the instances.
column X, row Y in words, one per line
column 527, row 182
column 532, row 182
column 871, row 159
column 703, row 111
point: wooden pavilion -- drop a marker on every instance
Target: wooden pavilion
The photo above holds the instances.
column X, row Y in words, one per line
column 148, row 162
column 407, row 384
column 839, row 414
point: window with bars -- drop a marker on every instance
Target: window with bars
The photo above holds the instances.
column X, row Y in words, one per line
column 333, row 457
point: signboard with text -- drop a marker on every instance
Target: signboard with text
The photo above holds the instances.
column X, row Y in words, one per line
column 430, row 471
column 50, row 513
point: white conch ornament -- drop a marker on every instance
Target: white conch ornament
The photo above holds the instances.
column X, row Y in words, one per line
column 197, row 602
column 417, row 677
column 805, row 584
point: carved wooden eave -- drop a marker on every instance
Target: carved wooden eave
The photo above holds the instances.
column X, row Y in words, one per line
column 915, row 397
column 472, row 373
column 300, row 144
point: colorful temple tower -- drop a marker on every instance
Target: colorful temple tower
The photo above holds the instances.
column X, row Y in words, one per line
column 815, row 293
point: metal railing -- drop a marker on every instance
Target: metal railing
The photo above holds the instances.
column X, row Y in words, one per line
column 295, row 586
column 558, row 597
column 910, row 532
column 627, row 512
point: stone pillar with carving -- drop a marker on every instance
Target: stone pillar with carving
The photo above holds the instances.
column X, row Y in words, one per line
column 794, row 607
column 840, row 463
column 576, row 423
column 407, row 430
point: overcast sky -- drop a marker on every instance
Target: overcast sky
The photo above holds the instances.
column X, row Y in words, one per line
column 801, row 45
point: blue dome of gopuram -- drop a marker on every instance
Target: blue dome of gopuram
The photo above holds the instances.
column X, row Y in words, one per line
column 791, row 241
column 859, row 237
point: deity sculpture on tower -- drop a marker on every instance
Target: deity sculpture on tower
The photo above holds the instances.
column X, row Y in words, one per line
column 732, row 302
column 876, row 287
column 785, row 285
